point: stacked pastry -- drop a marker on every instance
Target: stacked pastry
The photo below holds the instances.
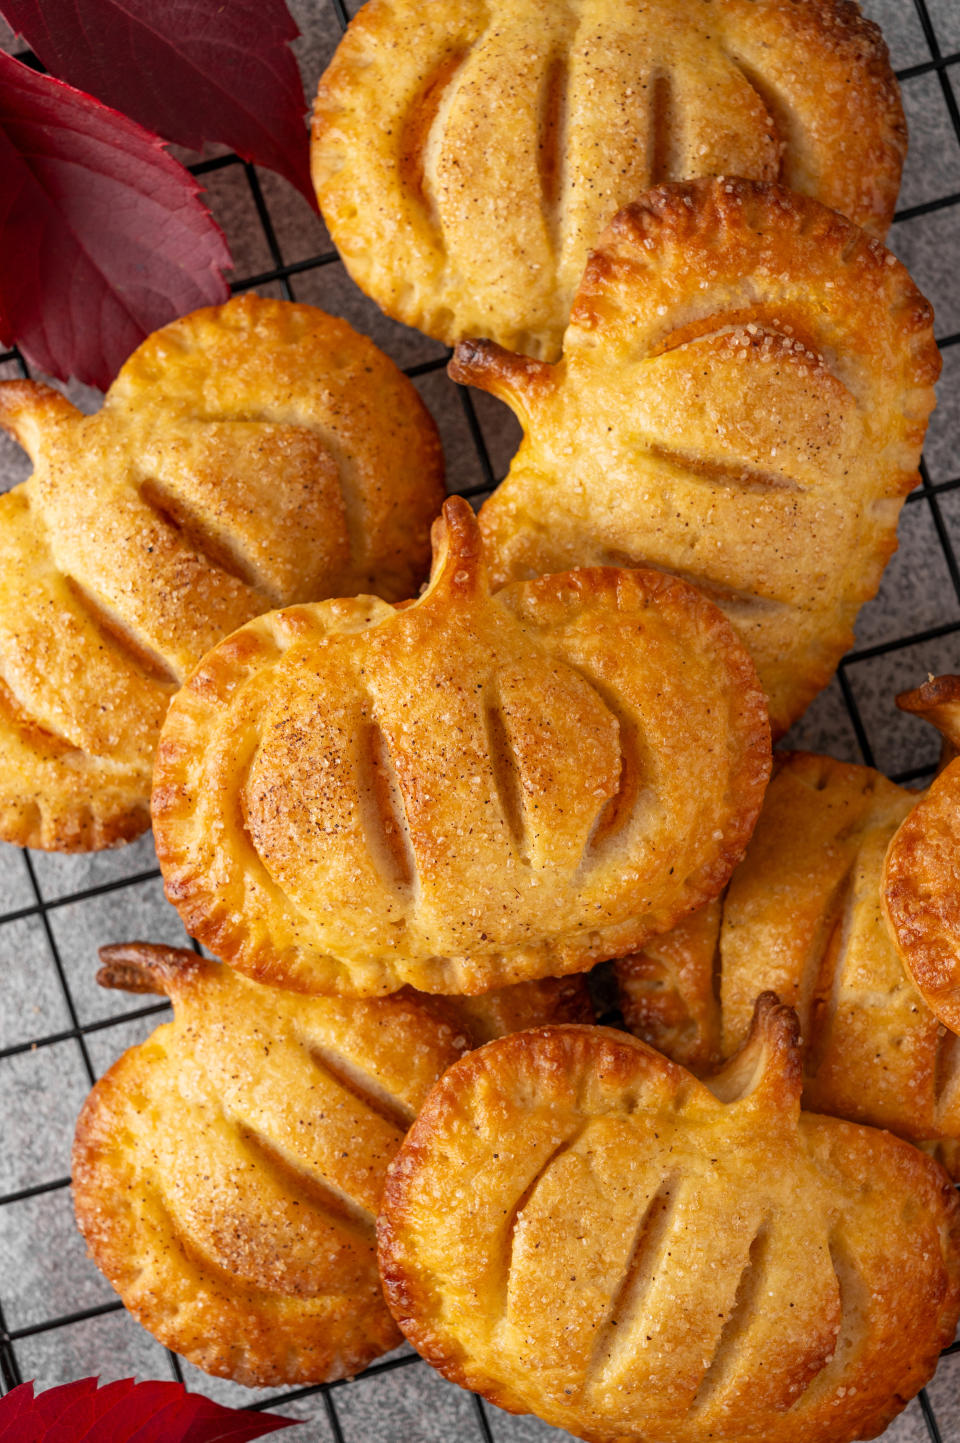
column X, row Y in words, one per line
column 846, row 905
column 398, row 822
column 247, row 456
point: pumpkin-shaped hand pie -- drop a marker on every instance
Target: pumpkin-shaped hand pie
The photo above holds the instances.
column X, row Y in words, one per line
column 467, row 153
column 227, row 1172
column 246, row 456
column 576, row 1227
column 805, row 914
column 470, row 791
column 742, row 400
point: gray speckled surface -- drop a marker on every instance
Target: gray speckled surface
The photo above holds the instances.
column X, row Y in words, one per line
column 44, row 1273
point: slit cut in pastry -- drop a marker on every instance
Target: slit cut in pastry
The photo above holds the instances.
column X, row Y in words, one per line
column 846, row 905
column 227, row 1171
column 742, row 401
column 462, row 793
column 247, row 456
column 576, row 1227
column 467, row 153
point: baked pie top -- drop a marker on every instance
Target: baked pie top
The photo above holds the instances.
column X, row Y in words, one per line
column 468, row 153
column 576, row 1227
column 461, row 793
column 227, row 1171
column 246, row 456
column 742, row 401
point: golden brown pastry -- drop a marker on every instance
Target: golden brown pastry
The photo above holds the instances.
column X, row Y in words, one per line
column 246, row 456
column 467, row 153
column 805, row 914
column 539, row 1003
column 921, row 880
column 226, row 1172
column 578, row 1228
column 467, row 792
column 742, row 400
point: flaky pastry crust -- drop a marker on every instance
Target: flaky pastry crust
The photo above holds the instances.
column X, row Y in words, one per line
column 921, row 881
column 576, row 1227
column 227, row 1172
column 468, row 153
column 742, row 401
column 247, row 456
column 467, row 792
column 847, row 891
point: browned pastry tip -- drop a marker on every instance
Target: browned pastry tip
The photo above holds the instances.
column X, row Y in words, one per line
column 768, row 1065
column 29, row 408
column 503, row 373
column 938, row 702
column 458, row 567
column 147, row 967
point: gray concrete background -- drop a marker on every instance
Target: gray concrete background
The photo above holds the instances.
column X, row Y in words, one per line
column 44, row 1274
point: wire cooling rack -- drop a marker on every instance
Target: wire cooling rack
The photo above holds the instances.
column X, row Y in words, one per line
column 58, row 1033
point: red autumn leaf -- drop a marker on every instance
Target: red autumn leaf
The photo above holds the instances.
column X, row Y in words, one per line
column 102, row 235
column 188, row 69
column 126, row 1412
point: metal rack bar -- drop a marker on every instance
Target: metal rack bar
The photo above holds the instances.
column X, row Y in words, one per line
column 933, row 1428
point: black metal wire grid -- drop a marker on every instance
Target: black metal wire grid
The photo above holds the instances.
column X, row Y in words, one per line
column 49, row 906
